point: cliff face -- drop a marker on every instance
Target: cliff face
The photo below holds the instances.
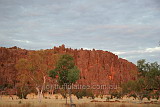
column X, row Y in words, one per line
column 8, row 59
column 97, row 67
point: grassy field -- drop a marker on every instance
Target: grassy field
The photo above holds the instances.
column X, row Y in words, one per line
column 79, row 105
column 85, row 102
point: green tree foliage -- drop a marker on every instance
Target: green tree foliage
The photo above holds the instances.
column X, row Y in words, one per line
column 135, row 88
column 151, row 73
column 148, row 82
column 73, row 75
column 66, row 72
column 142, row 68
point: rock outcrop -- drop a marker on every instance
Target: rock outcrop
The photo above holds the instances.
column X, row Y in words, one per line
column 97, row 67
column 8, row 59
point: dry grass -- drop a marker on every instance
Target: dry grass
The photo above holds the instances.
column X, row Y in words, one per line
column 78, row 105
column 33, row 102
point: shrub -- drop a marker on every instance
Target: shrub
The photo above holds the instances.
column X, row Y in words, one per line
column 84, row 93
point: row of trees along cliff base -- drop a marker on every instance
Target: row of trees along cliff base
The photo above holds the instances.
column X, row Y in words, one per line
column 33, row 74
column 147, row 84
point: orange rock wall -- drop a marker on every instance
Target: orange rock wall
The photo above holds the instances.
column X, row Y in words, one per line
column 96, row 66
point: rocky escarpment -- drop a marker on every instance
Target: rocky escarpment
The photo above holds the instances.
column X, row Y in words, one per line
column 97, row 67
column 8, row 59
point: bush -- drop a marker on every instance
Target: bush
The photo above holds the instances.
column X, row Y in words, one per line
column 79, row 94
column 157, row 94
column 63, row 93
column 84, row 93
column 116, row 94
column 133, row 95
column 90, row 94
column 22, row 92
column 107, row 98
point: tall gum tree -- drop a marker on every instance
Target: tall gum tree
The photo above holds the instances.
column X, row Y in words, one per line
column 35, row 68
column 67, row 73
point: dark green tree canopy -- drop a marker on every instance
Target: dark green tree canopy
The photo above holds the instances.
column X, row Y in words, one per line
column 65, row 70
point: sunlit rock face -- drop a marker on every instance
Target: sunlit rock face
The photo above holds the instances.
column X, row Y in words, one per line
column 97, row 67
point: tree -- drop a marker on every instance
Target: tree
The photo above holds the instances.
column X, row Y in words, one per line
column 35, row 69
column 23, row 83
column 151, row 73
column 142, row 67
column 136, row 88
column 148, row 82
column 67, row 73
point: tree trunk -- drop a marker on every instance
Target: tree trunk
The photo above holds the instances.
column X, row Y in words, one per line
column 40, row 92
column 22, row 93
column 66, row 97
column 23, row 96
column 66, row 94
column 70, row 97
column 140, row 98
column 39, row 96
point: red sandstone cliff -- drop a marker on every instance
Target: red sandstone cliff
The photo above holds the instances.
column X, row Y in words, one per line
column 96, row 66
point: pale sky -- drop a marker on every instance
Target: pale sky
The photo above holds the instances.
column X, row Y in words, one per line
column 128, row 28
